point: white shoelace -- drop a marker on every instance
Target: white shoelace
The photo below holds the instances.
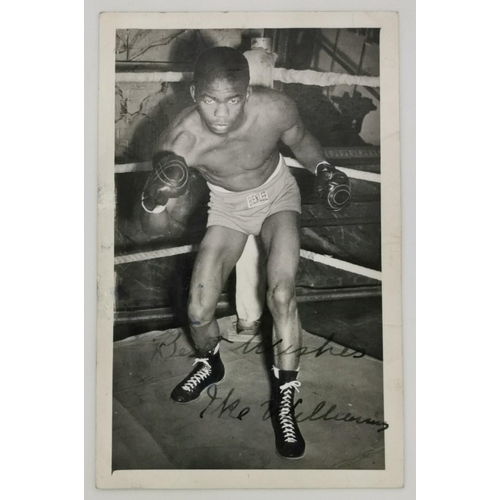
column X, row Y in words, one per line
column 285, row 416
column 199, row 375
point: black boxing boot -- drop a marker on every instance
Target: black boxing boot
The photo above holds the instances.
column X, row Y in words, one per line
column 289, row 441
column 208, row 370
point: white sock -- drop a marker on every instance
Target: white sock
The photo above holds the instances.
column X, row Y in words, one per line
column 276, row 371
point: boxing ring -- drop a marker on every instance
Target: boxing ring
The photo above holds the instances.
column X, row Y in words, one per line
column 250, row 273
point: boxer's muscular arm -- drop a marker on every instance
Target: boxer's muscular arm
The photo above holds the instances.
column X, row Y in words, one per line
column 177, row 139
column 331, row 185
column 170, row 176
column 304, row 146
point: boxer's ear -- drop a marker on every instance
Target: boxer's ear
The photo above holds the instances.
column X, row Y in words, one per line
column 192, row 90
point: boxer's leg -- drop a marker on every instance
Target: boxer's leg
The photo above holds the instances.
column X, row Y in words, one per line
column 250, row 286
column 280, row 236
column 219, row 251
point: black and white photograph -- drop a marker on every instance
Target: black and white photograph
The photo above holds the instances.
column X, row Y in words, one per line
column 249, row 251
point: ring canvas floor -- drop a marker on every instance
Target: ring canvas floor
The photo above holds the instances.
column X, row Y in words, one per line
column 228, row 428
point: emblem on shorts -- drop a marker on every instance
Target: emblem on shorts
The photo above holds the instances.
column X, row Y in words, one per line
column 254, row 200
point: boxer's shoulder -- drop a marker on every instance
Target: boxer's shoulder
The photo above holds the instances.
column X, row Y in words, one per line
column 275, row 105
column 186, row 119
column 269, row 97
column 180, row 136
column 183, row 141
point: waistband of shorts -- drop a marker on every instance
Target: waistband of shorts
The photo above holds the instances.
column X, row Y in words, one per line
column 274, row 175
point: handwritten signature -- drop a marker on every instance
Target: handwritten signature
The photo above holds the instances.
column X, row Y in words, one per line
column 224, row 406
column 171, row 349
column 229, row 408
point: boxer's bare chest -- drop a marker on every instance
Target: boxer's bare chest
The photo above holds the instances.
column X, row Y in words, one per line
column 240, row 152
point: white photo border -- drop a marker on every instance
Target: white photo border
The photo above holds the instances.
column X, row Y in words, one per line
column 392, row 476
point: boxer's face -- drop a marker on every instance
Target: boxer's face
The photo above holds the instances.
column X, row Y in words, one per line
column 221, row 104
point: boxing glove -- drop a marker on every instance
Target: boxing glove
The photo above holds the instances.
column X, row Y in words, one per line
column 332, row 186
column 169, row 179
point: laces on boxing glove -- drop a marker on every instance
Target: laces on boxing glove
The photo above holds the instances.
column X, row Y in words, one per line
column 332, row 186
column 169, row 179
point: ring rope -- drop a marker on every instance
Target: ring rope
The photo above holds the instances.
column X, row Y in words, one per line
column 354, row 174
column 341, row 264
column 306, row 254
column 168, row 77
column 154, row 254
column 146, row 166
column 310, row 77
column 305, row 77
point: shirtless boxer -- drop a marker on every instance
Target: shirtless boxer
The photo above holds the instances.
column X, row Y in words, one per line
column 231, row 137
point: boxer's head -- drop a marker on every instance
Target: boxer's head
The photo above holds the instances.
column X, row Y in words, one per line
column 220, row 88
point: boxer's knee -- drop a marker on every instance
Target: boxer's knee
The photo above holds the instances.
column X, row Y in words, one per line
column 201, row 310
column 281, row 298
